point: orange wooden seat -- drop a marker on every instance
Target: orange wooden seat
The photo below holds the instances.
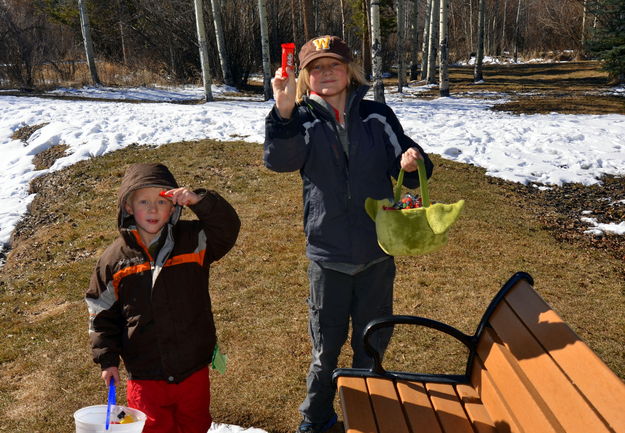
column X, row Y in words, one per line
column 527, row 372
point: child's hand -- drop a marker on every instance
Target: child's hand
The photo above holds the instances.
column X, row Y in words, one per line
column 284, row 92
column 181, row 196
column 409, row 159
column 110, row 373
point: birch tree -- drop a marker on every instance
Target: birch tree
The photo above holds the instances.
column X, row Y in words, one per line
column 376, row 52
column 264, row 41
column 425, row 50
column 584, row 15
column 401, row 36
column 414, row 39
column 343, row 33
column 86, row 36
column 201, row 38
column 479, row 51
column 221, row 44
column 433, row 39
column 516, row 31
column 503, row 27
column 444, row 50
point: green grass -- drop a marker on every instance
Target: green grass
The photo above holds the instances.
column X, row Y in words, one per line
column 259, row 289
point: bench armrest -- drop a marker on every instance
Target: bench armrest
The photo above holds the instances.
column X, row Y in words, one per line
column 392, row 320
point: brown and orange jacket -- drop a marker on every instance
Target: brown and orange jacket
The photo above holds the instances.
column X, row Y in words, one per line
column 155, row 312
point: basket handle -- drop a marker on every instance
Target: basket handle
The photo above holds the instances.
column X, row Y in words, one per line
column 423, row 184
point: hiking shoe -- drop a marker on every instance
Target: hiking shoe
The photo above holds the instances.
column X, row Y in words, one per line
column 319, row 427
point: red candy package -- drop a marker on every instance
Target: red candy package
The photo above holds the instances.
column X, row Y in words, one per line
column 288, row 57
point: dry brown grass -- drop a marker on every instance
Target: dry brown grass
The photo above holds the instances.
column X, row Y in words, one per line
column 259, row 289
column 571, row 87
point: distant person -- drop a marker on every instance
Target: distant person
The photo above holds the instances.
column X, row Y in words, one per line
column 149, row 302
column 346, row 149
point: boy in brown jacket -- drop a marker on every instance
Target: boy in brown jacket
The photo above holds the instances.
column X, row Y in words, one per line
column 148, row 298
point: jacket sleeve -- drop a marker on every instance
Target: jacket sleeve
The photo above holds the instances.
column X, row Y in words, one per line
column 220, row 224
column 285, row 144
column 105, row 318
column 411, row 180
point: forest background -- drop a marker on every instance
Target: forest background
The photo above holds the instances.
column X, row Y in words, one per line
column 155, row 42
column 45, row 369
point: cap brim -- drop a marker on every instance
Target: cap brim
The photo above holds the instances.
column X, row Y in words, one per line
column 316, row 56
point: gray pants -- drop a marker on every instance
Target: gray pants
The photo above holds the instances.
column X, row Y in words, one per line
column 334, row 298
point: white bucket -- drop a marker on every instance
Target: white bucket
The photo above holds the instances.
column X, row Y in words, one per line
column 92, row 419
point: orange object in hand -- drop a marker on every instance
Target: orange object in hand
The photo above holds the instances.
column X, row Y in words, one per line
column 288, row 57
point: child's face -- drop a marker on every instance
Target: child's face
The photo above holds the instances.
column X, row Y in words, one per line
column 151, row 211
column 328, row 76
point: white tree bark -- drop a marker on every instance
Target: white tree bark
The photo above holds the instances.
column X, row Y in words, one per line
column 264, row 41
column 376, row 52
column 221, row 43
column 479, row 50
column 584, row 17
column 503, row 27
column 425, row 50
column 401, row 43
column 433, row 42
column 443, row 69
column 201, row 38
column 86, row 36
column 413, row 29
column 516, row 32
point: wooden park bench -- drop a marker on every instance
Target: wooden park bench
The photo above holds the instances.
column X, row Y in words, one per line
column 527, row 372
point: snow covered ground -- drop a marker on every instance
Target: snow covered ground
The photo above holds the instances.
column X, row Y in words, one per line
column 541, row 149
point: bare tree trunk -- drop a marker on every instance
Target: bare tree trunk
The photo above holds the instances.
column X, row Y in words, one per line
column 294, row 21
column 86, row 36
column 516, row 32
column 444, row 50
column 425, row 50
column 366, row 38
column 503, row 27
column 221, row 43
column 343, row 35
column 583, row 38
column 309, row 25
column 471, row 26
column 122, row 37
column 414, row 39
column 479, row 50
column 201, row 38
column 264, row 41
column 376, row 52
column 432, row 51
column 401, row 52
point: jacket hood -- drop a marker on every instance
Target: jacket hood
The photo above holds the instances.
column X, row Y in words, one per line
column 139, row 176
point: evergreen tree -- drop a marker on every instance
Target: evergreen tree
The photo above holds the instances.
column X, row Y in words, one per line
column 608, row 39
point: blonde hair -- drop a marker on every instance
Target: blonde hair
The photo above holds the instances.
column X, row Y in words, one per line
column 355, row 74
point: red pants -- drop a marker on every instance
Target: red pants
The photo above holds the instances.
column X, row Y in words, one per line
column 173, row 408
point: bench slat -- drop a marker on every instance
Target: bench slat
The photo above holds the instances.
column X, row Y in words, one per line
column 417, row 406
column 603, row 388
column 551, row 385
column 448, row 408
column 475, row 409
column 386, row 406
column 513, row 388
column 356, row 406
column 497, row 409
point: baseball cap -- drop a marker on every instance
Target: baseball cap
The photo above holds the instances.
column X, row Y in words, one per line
column 324, row 46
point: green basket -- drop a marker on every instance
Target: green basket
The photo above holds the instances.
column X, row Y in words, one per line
column 410, row 232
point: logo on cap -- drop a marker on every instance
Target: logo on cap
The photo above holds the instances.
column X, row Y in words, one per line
column 322, row 43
